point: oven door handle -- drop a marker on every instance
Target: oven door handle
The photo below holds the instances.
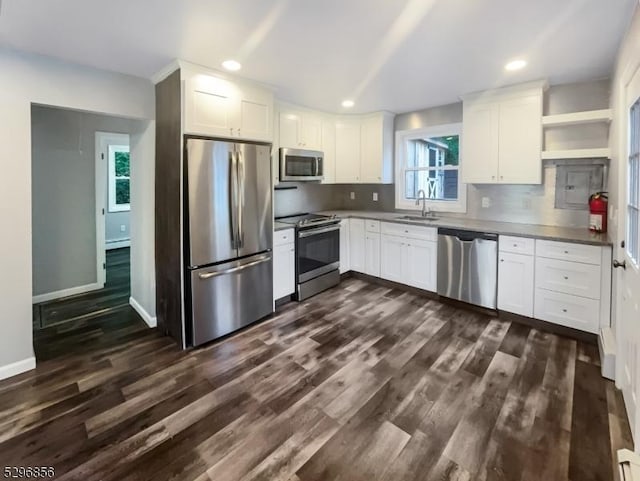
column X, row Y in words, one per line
column 310, row 232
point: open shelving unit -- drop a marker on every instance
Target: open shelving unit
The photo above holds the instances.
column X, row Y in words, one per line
column 577, row 118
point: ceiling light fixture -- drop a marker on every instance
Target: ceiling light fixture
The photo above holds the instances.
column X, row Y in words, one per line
column 515, row 65
column 232, row 65
column 347, row 104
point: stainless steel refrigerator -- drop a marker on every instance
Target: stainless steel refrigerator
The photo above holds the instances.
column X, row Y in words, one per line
column 228, row 235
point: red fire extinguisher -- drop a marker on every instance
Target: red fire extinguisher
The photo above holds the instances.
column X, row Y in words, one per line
column 598, row 212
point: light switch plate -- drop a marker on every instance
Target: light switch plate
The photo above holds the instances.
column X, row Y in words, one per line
column 352, row 195
column 375, row 197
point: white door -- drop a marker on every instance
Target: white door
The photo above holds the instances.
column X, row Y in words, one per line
column 372, row 254
column 356, row 245
column 392, row 258
column 628, row 280
column 515, row 283
column 422, row 268
column 344, row 246
column 348, row 152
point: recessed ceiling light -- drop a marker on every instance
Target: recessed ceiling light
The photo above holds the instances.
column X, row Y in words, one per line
column 347, row 104
column 515, row 65
column 231, row 65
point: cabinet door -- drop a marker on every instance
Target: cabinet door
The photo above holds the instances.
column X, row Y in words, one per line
column 311, row 132
column 520, row 141
column 283, row 270
column 372, row 254
column 347, row 152
column 329, row 149
column 210, row 106
column 254, row 114
column 357, row 245
column 480, row 127
column 290, row 127
column 422, row 264
column 393, row 258
column 515, row 283
column 371, row 155
column 344, row 246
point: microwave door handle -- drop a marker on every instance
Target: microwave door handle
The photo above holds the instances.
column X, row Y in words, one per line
column 317, row 173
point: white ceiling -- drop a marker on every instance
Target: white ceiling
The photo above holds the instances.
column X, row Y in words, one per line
column 396, row 55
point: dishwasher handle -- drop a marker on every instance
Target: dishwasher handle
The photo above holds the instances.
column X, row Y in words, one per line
column 467, row 235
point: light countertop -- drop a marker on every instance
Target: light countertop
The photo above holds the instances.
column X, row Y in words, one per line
column 566, row 234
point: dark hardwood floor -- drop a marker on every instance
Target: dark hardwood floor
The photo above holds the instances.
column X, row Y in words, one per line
column 361, row 382
column 87, row 312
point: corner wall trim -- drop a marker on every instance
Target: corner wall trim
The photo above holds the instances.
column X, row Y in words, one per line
column 16, row 368
column 146, row 317
column 72, row 291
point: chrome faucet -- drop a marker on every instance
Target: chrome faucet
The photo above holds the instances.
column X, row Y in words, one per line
column 422, row 196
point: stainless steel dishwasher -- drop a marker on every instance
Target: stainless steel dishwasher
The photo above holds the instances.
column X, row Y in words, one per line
column 468, row 266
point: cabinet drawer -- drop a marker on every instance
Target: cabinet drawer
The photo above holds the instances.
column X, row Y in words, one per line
column 567, row 310
column 285, row 236
column 569, row 277
column 566, row 251
column 372, row 225
column 413, row 231
column 517, row 245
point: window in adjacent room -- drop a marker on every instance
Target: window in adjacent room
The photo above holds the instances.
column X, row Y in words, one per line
column 119, row 178
column 633, row 190
column 429, row 160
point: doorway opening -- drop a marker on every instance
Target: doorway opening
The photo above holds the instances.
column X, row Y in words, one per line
column 81, row 205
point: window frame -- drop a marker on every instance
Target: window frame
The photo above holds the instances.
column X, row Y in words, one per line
column 112, row 178
column 442, row 130
column 633, row 183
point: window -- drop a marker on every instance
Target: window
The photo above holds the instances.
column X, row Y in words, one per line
column 633, row 188
column 428, row 163
column 119, row 178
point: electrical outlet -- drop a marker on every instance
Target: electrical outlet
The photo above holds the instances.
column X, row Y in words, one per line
column 375, row 197
column 352, row 195
column 123, row 228
column 526, row 203
column 486, row 202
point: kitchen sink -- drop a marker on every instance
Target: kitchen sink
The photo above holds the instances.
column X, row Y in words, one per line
column 430, row 218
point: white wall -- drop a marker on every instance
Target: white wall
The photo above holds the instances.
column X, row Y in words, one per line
column 28, row 79
column 117, row 226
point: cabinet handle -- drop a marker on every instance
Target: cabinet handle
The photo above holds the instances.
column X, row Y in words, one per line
column 231, row 131
column 502, row 177
column 566, row 252
column 515, row 245
column 493, row 177
column 238, row 132
column 564, row 310
column 501, row 260
column 566, row 278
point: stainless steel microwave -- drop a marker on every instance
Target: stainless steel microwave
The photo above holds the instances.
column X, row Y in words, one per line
column 301, row 165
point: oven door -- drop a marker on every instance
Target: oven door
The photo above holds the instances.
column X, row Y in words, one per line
column 318, row 252
column 301, row 165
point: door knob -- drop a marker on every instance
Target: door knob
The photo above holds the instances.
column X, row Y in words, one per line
column 617, row 264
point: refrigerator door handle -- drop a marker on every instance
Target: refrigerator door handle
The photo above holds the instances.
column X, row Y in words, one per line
column 233, row 204
column 240, row 164
column 209, row 275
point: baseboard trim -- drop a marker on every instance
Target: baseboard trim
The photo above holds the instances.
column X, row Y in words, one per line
column 119, row 244
column 72, row 291
column 146, row 317
column 16, row 368
column 607, row 348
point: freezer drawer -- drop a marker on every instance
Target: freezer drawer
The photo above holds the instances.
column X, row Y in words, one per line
column 229, row 296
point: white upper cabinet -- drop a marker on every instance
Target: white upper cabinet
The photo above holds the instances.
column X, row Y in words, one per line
column 300, row 130
column 348, row 151
column 329, row 149
column 376, row 151
column 502, row 136
column 219, row 107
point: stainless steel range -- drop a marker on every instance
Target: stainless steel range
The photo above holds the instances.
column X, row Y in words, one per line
column 317, row 253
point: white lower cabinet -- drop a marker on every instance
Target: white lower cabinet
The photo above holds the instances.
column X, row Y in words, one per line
column 409, row 261
column 372, row 254
column 567, row 310
column 284, row 264
column 344, row 246
column 515, row 283
column 357, row 245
